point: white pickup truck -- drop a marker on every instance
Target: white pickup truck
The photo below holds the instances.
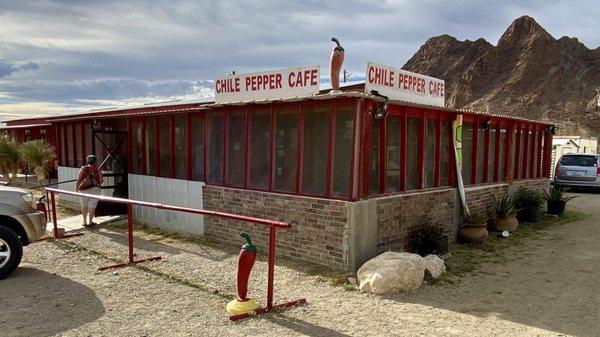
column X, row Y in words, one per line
column 20, row 224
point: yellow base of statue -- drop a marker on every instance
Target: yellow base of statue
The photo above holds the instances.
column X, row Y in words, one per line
column 236, row 307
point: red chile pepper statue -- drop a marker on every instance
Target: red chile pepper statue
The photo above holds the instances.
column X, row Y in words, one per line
column 242, row 304
column 335, row 66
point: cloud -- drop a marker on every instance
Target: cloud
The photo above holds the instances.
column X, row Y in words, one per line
column 71, row 52
column 6, row 69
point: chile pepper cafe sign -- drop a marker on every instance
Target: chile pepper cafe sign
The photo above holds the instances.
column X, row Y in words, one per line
column 273, row 84
column 404, row 85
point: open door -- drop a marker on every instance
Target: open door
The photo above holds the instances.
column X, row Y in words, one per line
column 110, row 146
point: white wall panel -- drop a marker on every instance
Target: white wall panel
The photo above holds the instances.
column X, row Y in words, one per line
column 170, row 192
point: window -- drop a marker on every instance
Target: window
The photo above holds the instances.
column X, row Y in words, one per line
column 181, row 149
column 260, row 139
column 446, row 151
column 502, row 154
column 342, row 152
column 164, row 123
column 430, row 144
column 69, row 145
column 198, row 149
column 87, row 131
column 480, row 154
column 138, row 149
column 315, row 150
column 63, row 152
column 215, row 138
column 533, row 141
column 492, row 154
column 522, row 154
column 412, row 153
column 467, row 152
column 392, row 154
column 236, row 148
column 286, row 149
column 151, row 146
column 375, row 146
column 78, row 146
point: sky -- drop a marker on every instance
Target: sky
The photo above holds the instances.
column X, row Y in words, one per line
column 61, row 57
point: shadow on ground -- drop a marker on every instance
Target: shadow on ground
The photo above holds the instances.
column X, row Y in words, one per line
column 303, row 327
column 553, row 285
column 62, row 306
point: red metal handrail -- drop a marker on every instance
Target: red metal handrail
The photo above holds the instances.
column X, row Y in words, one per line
column 273, row 226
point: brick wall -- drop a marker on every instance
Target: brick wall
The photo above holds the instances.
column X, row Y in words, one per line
column 319, row 226
column 479, row 198
column 399, row 216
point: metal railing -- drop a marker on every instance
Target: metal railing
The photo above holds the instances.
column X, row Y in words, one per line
column 273, row 226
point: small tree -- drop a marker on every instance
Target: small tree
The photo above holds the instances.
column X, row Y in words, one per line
column 10, row 158
column 38, row 154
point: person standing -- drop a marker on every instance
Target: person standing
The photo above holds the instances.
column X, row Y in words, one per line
column 89, row 181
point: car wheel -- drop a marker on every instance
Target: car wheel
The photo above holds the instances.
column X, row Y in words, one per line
column 11, row 251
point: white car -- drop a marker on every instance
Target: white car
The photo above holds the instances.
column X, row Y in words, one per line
column 578, row 170
column 20, row 224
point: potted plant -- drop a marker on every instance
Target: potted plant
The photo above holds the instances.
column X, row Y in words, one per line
column 430, row 239
column 556, row 200
column 474, row 228
column 528, row 203
column 505, row 213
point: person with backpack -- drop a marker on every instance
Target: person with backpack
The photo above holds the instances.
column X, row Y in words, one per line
column 89, row 181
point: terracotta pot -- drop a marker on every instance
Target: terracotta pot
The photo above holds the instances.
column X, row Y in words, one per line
column 508, row 223
column 474, row 233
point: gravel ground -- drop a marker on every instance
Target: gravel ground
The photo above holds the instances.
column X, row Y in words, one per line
column 57, row 291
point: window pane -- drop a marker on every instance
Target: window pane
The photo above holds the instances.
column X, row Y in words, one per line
column 430, row 152
column 392, row 154
column 78, row 146
column 445, row 152
column 63, row 152
column 69, row 145
column 286, row 149
column 480, row 154
column 501, row 154
column 344, row 130
column 236, row 148
column 492, row 157
column 258, row 161
column 532, row 159
column 412, row 153
column 215, row 147
column 181, row 149
column 316, row 135
column 88, row 139
column 198, row 149
column 151, row 146
column 467, row 150
column 522, row 154
column 165, row 146
column 137, row 147
column 375, row 137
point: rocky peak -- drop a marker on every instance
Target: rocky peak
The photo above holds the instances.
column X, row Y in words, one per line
column 524, row 31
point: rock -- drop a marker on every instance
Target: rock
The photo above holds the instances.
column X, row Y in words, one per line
column 391, row 272
column 434, row 266
column 352, row 280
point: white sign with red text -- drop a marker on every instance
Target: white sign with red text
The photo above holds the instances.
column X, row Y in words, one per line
column 273, row 84
column 404, row 85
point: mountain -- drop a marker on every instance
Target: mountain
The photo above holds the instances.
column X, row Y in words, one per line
column 528, row 74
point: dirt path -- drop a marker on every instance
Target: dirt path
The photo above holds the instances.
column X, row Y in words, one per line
column 549, row 291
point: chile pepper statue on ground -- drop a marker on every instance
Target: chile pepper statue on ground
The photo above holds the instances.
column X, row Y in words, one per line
column 242, row 304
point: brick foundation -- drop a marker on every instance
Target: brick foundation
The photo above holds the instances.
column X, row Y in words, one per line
column 479, row 198
column 319, row 226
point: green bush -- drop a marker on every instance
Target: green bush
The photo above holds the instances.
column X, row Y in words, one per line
column 527, row 198
column 504, row 206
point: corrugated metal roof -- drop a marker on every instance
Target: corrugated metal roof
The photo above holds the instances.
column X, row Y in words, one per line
column 25, row 126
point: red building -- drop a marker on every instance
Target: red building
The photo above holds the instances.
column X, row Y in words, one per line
column 351, row 185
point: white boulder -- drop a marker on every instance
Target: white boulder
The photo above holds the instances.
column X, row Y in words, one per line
column 391, row 272
column 434, row 266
